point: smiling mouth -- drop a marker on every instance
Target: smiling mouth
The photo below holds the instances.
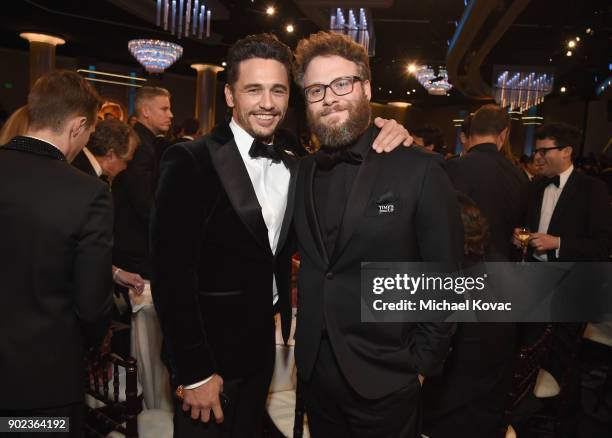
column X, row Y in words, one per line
column 264, row 116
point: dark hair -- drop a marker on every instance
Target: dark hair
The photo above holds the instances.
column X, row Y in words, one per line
column 526, row 159
column 190, row 126
column 111, row 135
column 476, row 234
column 489, row 120
column 58, row 95
column 562, row 134
column 263, row 45
column 465, row 125
column 431, row 135
column 329, row 44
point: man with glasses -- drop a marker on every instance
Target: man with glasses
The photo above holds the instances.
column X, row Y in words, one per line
column 353, row 206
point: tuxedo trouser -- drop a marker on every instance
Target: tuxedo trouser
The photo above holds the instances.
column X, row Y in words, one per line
column 74, row 411
column 335, row 410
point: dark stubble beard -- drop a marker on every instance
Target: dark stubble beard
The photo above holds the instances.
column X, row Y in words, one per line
column 339, row 136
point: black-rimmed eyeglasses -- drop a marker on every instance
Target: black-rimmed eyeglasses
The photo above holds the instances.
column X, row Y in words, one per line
column 544, row 151
column 340, row 87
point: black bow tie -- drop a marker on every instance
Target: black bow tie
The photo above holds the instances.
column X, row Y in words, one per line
column 552, row 180
column 327, row 160
column 271, row 151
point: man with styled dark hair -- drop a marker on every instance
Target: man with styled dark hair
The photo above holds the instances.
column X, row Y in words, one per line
column 352, row 206
column 221, row 248
column 55, row 261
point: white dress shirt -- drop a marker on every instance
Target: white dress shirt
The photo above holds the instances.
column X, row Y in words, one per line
column 549, row 202
column 271, row 184
column 93, row 161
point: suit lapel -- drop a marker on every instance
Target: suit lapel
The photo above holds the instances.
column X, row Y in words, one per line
column 291, row 164
column 358, row 200
column 537, row 212
column 309, row 168
column 563, row 203
column 239, row 189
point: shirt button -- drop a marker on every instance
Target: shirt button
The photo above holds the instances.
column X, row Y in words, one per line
column 329, row 275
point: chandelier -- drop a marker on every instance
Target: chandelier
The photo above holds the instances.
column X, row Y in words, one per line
column 520, row 90
column 184, row 18
column 435, row 83
column 356, row 28
column 155, row 55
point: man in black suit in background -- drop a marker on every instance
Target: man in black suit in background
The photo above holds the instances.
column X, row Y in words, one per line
column 469, row 398
column 353, row 206
column 55, row 262
column 570, row 218
column 134, row 188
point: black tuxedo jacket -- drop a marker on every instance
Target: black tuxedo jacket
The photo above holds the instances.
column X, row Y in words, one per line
column 133, row 191
column 82, row 163
column 376, row 359
column 212, row 263
column 498, row 188
column 55, row 274
column 582, row 218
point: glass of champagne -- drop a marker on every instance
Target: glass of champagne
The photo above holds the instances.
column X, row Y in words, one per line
column 523, row 237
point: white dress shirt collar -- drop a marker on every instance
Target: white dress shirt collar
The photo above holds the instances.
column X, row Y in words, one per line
column 93, row 161
column 564, row 176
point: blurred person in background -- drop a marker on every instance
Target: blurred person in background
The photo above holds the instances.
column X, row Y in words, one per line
column 16, row 124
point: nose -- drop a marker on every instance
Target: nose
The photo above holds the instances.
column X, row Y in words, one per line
column 329, row 98
column 170, row 113
column 266, row 101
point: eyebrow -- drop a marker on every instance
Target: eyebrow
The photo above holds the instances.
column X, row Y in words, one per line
column 257, row 85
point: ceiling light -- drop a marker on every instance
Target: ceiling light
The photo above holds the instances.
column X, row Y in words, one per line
column 569, row 53
column 400, row 104
column 290, row 28
column 571, row 44
column 563, row 89
column 42, row 38
column 577, row 38
column 224, row 64
column 589, row 30
column 270, row 10
column 407, row 92
column 413, row 90
column 155, row 55
column 390, row 92
column 412, row 68
column 550, row 59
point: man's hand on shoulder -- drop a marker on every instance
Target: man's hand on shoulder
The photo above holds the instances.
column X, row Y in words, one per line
column 391, row 135
column 203, row 399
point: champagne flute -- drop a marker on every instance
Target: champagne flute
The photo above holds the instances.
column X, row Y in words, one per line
column 523, row 237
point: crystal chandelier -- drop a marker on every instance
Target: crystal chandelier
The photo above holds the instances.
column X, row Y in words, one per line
column 520, row 90
column 356, row 28
column 435, row 84
column 155, row 55
column 184, row 18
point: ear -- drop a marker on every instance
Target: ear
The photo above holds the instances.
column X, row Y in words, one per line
column 229, row 97
column 77, row 125
column 504, row 135
column 568, row 151
column 367, row 88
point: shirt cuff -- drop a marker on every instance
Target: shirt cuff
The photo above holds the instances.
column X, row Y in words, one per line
column 558, row 249
column 198, row 384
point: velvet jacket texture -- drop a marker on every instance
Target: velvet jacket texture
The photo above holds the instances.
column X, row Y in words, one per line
column 212, row 263
column 55, row 274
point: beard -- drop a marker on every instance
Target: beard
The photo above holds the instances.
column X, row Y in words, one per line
column 340, row 135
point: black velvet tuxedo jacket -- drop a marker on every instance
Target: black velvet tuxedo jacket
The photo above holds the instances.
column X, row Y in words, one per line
column 133, row 191
column 376, row 359
column 582, row 218
column 55, row 274
column 498, row 188
column 212, row 263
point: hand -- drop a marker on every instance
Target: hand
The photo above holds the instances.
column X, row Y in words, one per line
column 391, row 135
column 543, row 242
column 130, row 280
column 421, row 379
column 203, row 399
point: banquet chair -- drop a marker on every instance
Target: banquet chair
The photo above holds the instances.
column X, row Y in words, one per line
column 106, row 409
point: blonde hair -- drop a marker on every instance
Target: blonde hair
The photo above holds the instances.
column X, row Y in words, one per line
column 17, row 124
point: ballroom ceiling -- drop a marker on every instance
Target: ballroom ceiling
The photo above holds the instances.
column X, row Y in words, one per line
column 407, row 31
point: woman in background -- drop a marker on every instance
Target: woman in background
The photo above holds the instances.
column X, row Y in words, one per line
column 16, row 124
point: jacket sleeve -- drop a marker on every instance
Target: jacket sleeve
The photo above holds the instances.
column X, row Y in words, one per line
column 179, row 212
column 92, row 268
column 596, row 245
column 440, row 238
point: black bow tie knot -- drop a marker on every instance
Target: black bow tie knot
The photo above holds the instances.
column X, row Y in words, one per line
column 271, row 151
column 327, row 160
column 552, row 180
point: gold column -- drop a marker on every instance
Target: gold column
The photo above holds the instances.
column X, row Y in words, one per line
column 42, row 53
column 206, row 95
